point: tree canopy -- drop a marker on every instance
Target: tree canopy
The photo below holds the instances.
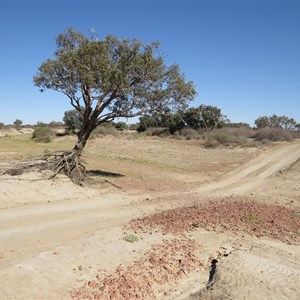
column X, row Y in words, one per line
column 276, row 121
column 112, row 77
column 204, row 116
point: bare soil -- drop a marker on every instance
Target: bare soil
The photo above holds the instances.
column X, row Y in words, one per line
column 218, row 223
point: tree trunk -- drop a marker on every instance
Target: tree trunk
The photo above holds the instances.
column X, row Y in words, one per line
column 70, row 162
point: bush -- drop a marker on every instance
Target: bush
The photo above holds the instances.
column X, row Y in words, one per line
column 296, row 134
column 121, row 126
column 272, row 134
column 131, row 238
column 243, row 131
column 43, row 134
column 158, row 131
column 223, row 137
column 188, row 133
column 104, row 131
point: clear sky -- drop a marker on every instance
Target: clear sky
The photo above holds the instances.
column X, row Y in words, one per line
column 242, row 55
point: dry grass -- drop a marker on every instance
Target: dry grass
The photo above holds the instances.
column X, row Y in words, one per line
column 138, row 157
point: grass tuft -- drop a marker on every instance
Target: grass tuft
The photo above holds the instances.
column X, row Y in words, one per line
column 131, row 238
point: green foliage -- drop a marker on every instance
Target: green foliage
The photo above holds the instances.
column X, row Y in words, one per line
column 275, row 121
column 133, row 126
column 237, row 125
column 18, row 123
column 112, row 78
column 41, row 124
column 55, row 124
column 131, row 238
column 121, row 126
column 204, row 116
column 173, row 121
column 147, row 122
column 73, row 120
column 43, row 134
column 167, row 120
column 252, row 218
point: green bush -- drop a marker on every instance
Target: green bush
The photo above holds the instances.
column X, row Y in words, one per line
column 121, row 126
column 131, row 238
column 43, row 134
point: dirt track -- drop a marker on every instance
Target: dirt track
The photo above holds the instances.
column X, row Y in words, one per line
column 48, row 248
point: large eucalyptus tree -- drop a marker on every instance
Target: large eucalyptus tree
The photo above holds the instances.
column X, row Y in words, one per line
column 110, row 78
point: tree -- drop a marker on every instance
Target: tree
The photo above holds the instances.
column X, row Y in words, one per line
column 147, row 122
column 18, row 123
column 262, row 122
column 204, row 116
column 108, row 79
column 73, row 120
column 173, row 121
column 121, row 126
column 282, row 122
column 288, row 123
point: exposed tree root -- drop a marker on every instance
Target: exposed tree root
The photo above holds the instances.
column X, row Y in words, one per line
column 70, row 164
column 65, row 162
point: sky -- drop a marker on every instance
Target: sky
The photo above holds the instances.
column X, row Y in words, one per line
column 242, row 55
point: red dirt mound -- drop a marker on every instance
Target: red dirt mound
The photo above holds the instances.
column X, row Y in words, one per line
column 164, row 263
column 261, row 220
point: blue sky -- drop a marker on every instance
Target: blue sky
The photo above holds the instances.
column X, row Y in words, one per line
column 242, row 55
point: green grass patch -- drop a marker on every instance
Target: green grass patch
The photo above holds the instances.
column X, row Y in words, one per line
column 252, row 218
column 131, row 238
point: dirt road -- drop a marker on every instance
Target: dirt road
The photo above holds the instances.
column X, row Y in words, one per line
column 49, row 248
column 257, row 173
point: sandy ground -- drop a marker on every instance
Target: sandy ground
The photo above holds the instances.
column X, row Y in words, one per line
column 60, row 241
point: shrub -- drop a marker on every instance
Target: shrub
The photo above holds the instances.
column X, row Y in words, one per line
column 223, row 137
column 244, row 132
column 121, row 126
column 272, row 134
column 133, row 127
column 131, row 238
column 43, row 134
column 104, row 131
column 296, row 134
column 157, row 131
column 188, row 133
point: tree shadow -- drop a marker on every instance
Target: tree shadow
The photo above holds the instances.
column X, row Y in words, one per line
column 103, row 173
